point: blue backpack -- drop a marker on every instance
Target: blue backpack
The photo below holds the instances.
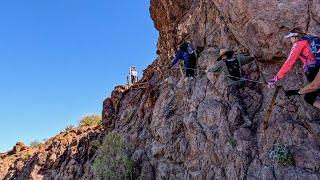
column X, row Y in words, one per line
column 314, row 43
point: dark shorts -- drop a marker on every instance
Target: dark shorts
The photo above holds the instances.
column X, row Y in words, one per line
column 311, row 75
column 192, row 66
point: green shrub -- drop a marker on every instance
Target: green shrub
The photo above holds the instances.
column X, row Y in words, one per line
column 112, row 161
column 25, row 156
column 35, row 143
column 95, row 144
column 69, row 128
column 282, row 155
column 90, row 120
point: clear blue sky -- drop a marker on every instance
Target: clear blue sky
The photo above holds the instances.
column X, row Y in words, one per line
column 59, row 59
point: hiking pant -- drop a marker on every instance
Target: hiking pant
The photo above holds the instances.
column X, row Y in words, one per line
column 235, row 91
column 134, row 79
column 190, row 69
column 311, row 75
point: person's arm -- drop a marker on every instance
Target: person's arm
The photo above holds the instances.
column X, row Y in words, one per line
column 292, row 59
column 287, row 66
column 245, row 59
column 177, row 58
column 216, row 68
column 311, row 87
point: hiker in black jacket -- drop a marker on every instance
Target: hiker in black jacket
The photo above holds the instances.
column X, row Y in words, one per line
column 189, row 57
column 230, row 65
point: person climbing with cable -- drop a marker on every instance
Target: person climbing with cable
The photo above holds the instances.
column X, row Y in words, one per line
column 133, row 75
column 189, row 56
column 311, row 87
column 231, row 65
column 307, row 50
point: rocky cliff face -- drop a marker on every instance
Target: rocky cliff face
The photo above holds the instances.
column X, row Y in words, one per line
column 192, row 131
column 66, row 156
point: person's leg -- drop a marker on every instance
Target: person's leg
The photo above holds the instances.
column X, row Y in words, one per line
column 128, row 80
column 193, row 64
column 310, row 98
column 244, row 112
column 188, row 72
column 235, row 91
column 192, row 71
column 312, row 86
column 317, row 104
column 135, row 79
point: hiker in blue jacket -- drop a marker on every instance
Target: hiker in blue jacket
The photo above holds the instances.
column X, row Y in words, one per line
column 188, row 55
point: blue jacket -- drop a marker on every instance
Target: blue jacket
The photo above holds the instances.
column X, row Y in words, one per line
column 182, row 55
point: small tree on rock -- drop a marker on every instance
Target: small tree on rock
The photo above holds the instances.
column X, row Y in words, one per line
column 90, row 120
column 112, row 161
column 35, row 143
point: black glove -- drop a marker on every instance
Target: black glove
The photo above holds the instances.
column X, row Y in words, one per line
column 292, row 92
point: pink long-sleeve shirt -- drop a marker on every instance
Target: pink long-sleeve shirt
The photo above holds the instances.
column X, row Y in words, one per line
column 300, row 50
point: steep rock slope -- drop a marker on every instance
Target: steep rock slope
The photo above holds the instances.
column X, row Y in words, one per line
column 192, row 131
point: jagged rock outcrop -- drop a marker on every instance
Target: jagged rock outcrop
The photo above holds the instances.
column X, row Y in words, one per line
column 192, row 131
column 66, row 156
column 20, row 146
column 255, row 26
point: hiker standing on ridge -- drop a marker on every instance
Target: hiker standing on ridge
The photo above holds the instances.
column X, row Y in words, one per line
column 301, row 49
column 133, row 75
column 189, row 56
column 231, row 65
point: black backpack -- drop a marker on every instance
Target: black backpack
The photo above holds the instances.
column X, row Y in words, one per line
column 234, row 68
column 187, row 47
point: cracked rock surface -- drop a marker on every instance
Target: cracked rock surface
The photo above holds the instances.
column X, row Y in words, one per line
column 192, row 130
